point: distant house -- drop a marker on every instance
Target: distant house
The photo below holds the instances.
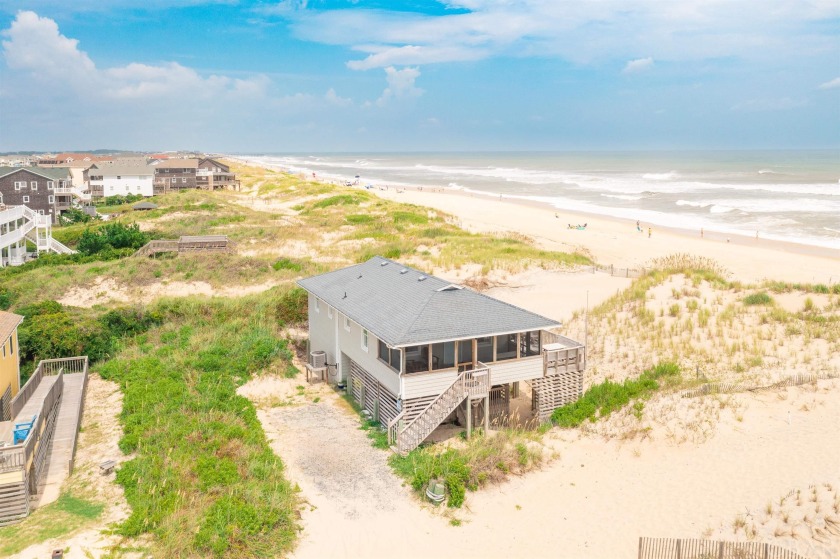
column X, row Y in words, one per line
column 9, row 362
column 46, row 191
column 212, row 175
column 120, row 180
column 173, row 175
column 414, row 349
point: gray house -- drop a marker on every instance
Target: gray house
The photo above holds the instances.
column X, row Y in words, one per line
column 416, row 350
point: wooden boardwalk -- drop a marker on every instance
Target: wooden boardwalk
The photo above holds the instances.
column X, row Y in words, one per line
column 63, row 449
column 33, row 405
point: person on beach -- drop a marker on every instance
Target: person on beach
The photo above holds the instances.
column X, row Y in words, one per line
column 701, row 232
column 650, row 231
column 638, row 226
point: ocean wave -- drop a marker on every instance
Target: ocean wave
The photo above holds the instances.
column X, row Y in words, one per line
column 661, row 176
column 455, row 186
column 692, row 204
column 720, row 209
column 623, row 196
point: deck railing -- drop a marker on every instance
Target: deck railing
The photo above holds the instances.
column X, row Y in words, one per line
column 408, row 436
column 679, row 548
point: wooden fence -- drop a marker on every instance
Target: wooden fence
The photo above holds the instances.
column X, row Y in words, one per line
column 677, row 548
column 730, row 387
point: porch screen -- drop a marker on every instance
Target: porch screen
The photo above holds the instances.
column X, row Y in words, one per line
column 417, row 359
column 529, row 343
column 505, row 347
column 443, row 356
column 485, row 349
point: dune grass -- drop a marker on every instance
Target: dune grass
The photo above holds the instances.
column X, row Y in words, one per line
column 68, row 514
column 203, row 480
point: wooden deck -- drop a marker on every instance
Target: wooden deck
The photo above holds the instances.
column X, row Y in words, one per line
column 54, row 394
column 202, row 243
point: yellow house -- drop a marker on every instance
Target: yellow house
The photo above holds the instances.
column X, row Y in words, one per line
column 9, row 362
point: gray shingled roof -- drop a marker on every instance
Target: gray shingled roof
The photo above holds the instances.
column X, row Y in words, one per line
column 120, row 170
column 52, row 173
column 401, row 310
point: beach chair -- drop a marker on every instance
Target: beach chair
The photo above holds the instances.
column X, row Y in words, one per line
column 22, row 429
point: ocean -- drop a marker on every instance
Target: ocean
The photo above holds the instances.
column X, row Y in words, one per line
column 783, row 195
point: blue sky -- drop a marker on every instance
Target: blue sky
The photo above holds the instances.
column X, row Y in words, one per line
column 237, row 76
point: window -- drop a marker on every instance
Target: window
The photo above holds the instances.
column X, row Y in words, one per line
column 317, row 305
column 505, row 347
column 20, row 184
column 118, row 177
column 50, row 185
column 529, row 343
column 347, row 323
column 51, row 199
column 184, row 180
column 390, row 356
column 40, row 212
column 12, row 345
column 443, row 356
column 364, row 339
column 25, row 199
column 33, row 185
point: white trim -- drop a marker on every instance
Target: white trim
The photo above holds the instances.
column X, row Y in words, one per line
column 51, row 199
column 365, row 340
column 329, row 311
column 33, row 185
column 317, row 305
column 26, row 199
column 347, row 323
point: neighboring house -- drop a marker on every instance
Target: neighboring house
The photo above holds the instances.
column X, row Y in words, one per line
column 212, row 175
column 119, row 180
column 46, row 191
column 414, row 349
column 175, row 174
column 21, row 227
column 9, row 362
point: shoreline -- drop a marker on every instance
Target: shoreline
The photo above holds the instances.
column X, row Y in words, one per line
column 614, row 241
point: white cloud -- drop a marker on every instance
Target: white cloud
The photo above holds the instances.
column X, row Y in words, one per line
column 578, row 30
column 637, row 65
column 35, row 46
column 334, row 99
column 830, row 84
column 400, row 84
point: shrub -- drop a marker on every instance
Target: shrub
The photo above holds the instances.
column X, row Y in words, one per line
column 292, row 306
column 7, row 297
column 73, row 215
column 339, row 200
column 603, row 399
column 358, row 219
column 287, row 264
column 760, row 298
column 112, row 236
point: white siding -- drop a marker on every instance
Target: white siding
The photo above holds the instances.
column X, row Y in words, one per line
column 126, row 184
column 417, row 385
column 505, row 372
column 321, row 330
column 351, row 345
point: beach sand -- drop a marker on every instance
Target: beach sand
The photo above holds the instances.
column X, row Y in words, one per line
column 618, row 243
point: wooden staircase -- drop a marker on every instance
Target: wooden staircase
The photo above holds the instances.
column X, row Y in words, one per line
column 406, row 434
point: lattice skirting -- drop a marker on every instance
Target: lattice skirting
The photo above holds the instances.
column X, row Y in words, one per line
column 554, row 391
column 371, row 395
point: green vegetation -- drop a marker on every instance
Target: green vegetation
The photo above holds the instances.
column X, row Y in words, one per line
column 287, row 264
column 760, row 298
column 603, row 399
column 51, row 330
column 118, row 200
column 73, row 215
column 203, row 479
column 112, row 236
column 484, row 460
column 67, row 514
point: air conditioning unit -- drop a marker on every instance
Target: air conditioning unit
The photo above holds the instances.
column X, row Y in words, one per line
column 318, row 359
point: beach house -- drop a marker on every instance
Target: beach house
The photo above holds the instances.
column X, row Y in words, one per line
column 417, row 351
column 120, row 180
column 213, row 175
column 45, row 191
column 9, row 362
